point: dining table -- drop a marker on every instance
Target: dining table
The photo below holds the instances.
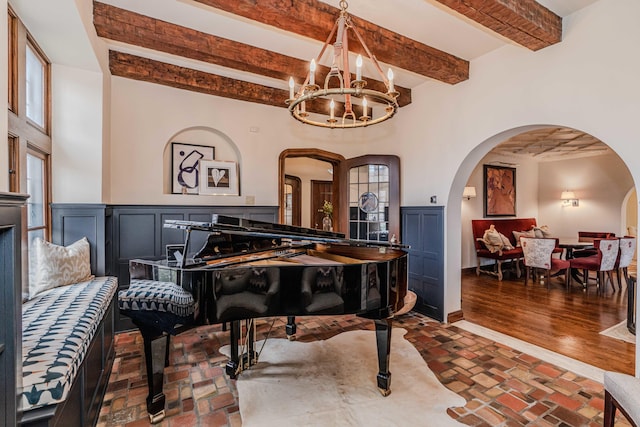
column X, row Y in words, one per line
column 572, row 243
column 569, row 244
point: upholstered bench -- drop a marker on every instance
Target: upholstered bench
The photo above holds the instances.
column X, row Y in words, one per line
column 67, row 351
column 162, row 303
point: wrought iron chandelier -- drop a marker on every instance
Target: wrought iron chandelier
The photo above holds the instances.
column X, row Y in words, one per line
column 342, row 103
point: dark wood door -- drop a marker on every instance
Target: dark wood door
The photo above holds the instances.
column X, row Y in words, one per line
column 293, row 200
column 320, row 191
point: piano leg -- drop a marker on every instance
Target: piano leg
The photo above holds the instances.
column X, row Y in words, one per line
column 156, row 353
column 383, row 341
column 238, row 362
column 291, row 328
column 232, row 365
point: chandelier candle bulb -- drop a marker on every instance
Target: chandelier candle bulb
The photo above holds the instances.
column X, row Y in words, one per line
column 332, row 106
column 364, row 107
column 390, row 77
column 291, row 87
column 312, row 72
column 359, row 67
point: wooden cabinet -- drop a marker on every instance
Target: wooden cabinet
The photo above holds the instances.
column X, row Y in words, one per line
column 11, row 209
column 423, row 231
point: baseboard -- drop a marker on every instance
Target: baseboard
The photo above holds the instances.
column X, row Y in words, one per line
column 455, row 316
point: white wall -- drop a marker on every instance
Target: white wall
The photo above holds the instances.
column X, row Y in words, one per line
column 526, row 199
column 601, row 184
column 77, row 135
column 145, row 118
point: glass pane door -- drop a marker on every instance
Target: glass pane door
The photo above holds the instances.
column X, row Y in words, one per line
column 369, row 202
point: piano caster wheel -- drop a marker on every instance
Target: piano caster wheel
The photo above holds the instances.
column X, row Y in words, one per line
column 156, row 418
column 384, row 392
column 384, row 384
column 291, row 337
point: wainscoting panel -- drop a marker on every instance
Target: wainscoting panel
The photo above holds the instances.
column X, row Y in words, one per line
column 72, row 222
column 423, row 230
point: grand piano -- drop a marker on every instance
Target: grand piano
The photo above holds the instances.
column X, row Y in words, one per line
column 234, row 270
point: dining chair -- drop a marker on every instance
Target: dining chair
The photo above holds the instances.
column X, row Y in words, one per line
column 625, row 256
column 538, row 254
column 603, row 263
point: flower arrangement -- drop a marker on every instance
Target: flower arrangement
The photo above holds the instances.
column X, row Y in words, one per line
column 327, row 208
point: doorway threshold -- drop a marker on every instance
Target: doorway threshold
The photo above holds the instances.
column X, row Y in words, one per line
column 575, row 366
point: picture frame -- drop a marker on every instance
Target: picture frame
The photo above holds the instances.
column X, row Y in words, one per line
column 219, row 178
column 499, row 191
column 185, row 166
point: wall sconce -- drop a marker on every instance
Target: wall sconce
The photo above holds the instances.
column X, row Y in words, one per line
column 569, row 198
column 469, row 192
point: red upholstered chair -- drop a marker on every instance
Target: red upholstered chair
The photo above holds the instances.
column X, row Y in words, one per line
column 603, row 263
column 538, row 254
column 625, row 256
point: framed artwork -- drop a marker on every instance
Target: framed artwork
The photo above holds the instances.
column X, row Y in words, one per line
column 219, row 178
column 185, row 166
column 499, row 191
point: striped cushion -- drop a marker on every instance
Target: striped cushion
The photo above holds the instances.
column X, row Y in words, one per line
column 57, row 328
column 150, row 295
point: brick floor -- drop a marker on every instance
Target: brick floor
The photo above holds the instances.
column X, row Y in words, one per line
column 502, row 386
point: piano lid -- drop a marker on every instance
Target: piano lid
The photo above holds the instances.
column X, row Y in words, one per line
column 244, row 226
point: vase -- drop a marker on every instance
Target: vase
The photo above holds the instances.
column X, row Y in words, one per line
column 326, row 223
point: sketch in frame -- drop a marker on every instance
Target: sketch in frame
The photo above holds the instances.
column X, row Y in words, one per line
column 185, row 166
column 219, row 178
column 499, row 191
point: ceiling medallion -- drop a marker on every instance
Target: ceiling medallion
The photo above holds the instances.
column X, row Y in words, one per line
column 346, row 103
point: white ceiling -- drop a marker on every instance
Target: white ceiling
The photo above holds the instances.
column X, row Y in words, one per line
column 58, row 27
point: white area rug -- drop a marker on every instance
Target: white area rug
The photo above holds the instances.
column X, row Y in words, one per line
column 333, row 383
column 620, row 332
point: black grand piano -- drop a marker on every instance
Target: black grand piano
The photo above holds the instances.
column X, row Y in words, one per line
column 233, row 270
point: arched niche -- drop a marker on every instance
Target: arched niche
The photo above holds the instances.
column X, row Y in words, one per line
column 223, row 146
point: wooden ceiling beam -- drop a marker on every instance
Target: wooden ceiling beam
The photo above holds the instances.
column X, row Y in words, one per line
column 148, row 70
column 525, row 22
column 135, row 29
column 315, row 19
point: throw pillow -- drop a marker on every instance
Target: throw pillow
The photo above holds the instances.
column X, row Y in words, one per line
column 506, row 243
column 542, row 231
column 59, row 265
column 518, row 234
column 492, row 239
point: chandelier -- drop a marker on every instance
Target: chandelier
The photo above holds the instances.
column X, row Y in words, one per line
column 342, row 102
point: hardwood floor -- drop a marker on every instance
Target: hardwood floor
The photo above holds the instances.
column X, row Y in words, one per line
column 567, row 323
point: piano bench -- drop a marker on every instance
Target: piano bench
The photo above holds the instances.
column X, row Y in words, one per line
column 160, row 303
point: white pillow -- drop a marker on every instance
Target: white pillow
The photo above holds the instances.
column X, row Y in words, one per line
column 518, row 234
column 542, row 231
column 59, row 265
column 493, row 240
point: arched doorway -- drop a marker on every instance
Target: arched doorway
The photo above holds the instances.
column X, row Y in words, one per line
column 602, row 184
